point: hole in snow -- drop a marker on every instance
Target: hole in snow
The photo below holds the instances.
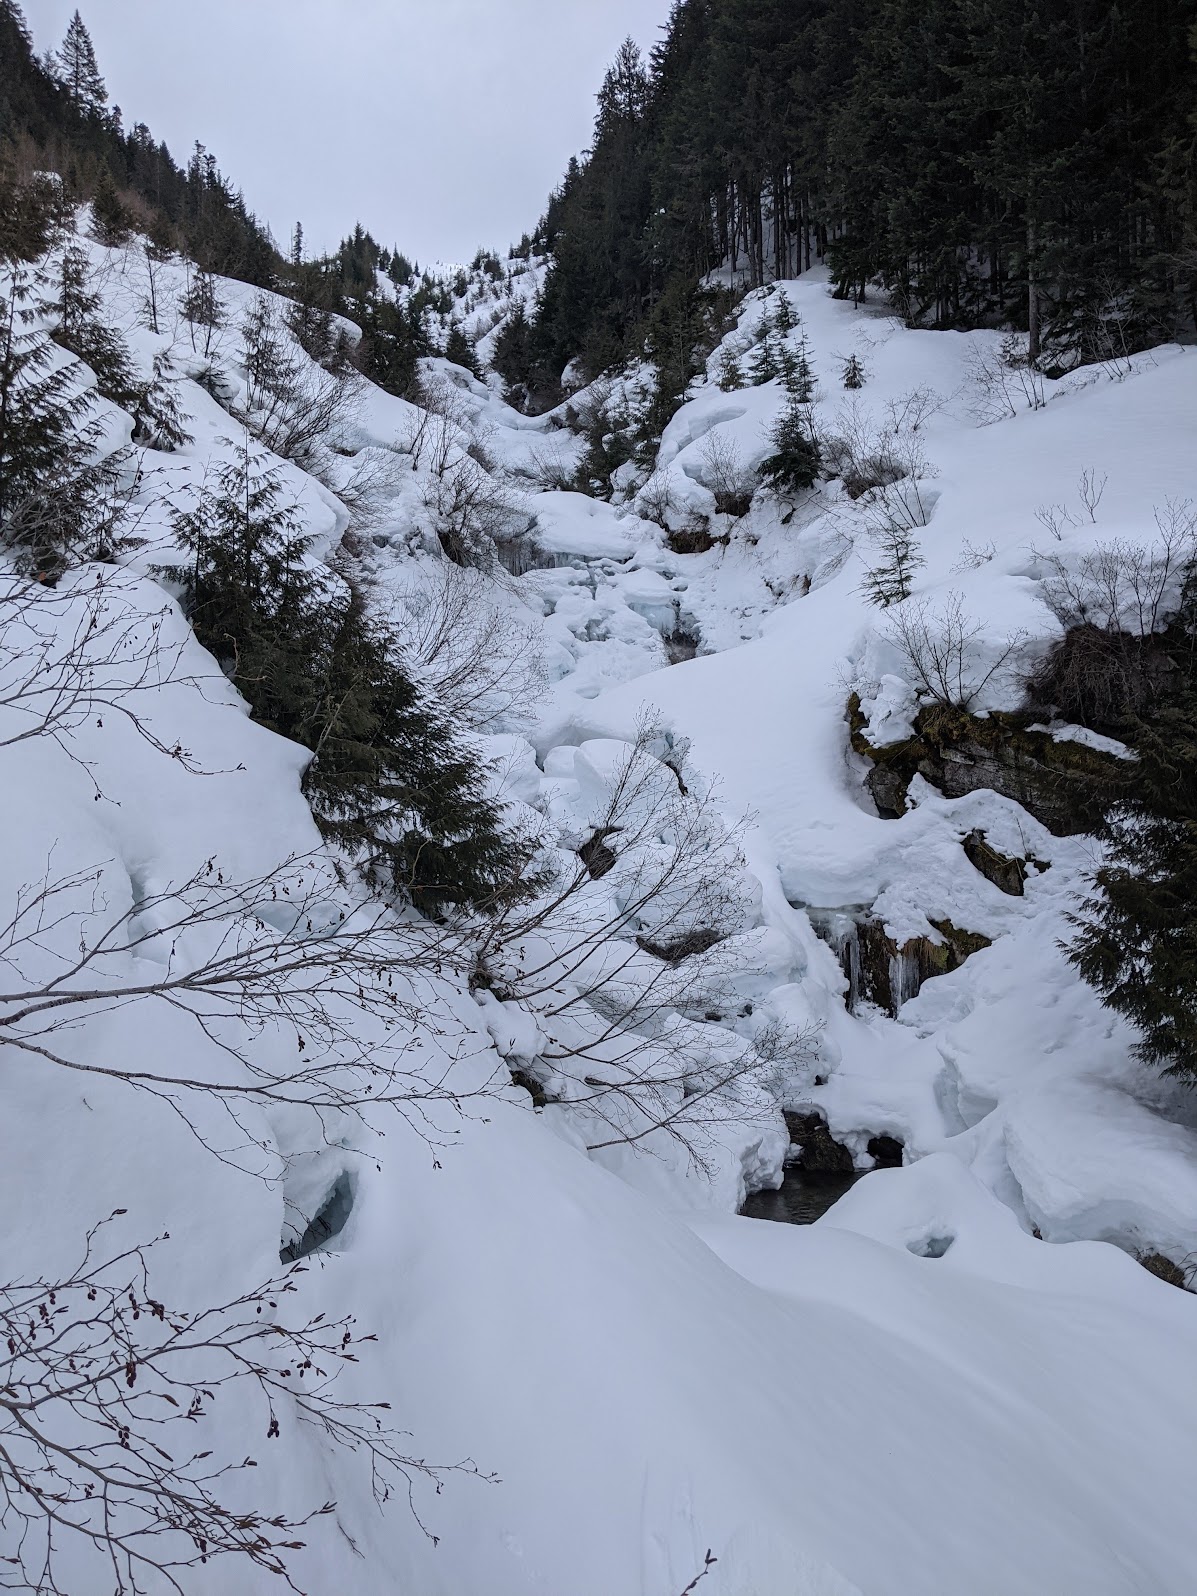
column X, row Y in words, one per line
column 930, row 1246
column 330, row 1220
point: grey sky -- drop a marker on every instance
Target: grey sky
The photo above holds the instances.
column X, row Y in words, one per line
column 440, row 124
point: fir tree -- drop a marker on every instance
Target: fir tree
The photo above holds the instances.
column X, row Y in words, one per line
column 461, row 351
column 77, row 70
column 158, row 418
column 853, row 373
column 765, row 362
column 111, row 220
column 796, row 371
column 891, row 580
column 390, row 782
column 1136, row 938
column 202, row 309
column 731, row 375
column 33, row 213
column 81, row 330
column 796, row 459
column 53, row 490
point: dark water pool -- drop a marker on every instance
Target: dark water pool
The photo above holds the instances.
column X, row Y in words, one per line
column 802, row 1199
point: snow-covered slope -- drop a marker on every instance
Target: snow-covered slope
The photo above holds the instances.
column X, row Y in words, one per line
column 952, row 1382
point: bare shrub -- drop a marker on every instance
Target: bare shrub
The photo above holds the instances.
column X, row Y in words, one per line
column 634, row 945
column 1113, row 603
column 1003, row 382
column 946, row 652
column 884, row 464
column 484, row 664
column 723, row 472
column 472, row 512
column 656, row 499
column 1124, row 586
column 552, row 468
column 108, row 1396
column 73, row 654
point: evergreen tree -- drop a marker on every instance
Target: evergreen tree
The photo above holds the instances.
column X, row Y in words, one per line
column 111, row 220
column 797, row 458
column 731, row 375
column 461, row 351
column 53, row 490
column 81, row 330
column 390, row 781
column 1136, row 938
column 33, row 213
column 159, row 421
column 796, row 371
column 853, row 374
column 891, row 580
column 202, row 309
column 78, row 71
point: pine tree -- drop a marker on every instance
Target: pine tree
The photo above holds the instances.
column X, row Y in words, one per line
column 731, row 375
column 891, row 580
column 53, row 489
column 202, row 309
column 81, row 330
column 796, row 371
column 111, row 220
column 1136, row 938
column 158, row 418
column 794, row 465
column 853, row 374
column 78, row 71
column 461, row 351
column 390, row 783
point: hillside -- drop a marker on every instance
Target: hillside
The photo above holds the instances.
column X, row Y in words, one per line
column 458, row 858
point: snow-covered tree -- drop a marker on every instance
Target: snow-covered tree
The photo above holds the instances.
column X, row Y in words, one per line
column 77, row 70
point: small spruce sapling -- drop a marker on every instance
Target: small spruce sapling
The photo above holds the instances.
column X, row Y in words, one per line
column 797, row 457
column 853, row 374
column 731, row 374
column 891, row 580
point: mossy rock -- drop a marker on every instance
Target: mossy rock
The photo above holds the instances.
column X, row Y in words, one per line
column 1066, row 786
column 1007, row 875
column 1163, row 1269
column 820, row 1153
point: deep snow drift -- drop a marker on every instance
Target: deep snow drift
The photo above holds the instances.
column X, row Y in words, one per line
column 953, row 1382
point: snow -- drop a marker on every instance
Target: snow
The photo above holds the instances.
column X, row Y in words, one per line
column 958, row 1380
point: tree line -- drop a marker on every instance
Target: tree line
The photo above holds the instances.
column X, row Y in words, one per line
column 984, row 162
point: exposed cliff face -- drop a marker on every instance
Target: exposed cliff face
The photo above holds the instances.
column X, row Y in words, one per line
column 1065, row 785
column 885, row 973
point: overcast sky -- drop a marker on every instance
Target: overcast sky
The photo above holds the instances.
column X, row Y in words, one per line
column 440, row 124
